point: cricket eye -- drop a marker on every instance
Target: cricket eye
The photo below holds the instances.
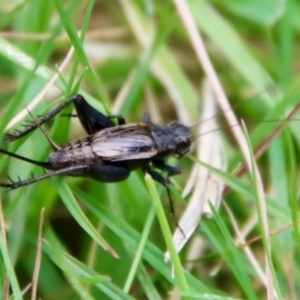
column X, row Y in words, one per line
column 183, row 146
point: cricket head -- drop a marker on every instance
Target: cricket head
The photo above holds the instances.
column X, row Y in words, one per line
column 182, row 138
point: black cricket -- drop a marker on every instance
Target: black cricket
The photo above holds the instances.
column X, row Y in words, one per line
column 109, row 152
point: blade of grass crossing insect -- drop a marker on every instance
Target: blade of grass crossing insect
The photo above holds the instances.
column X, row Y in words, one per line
column 73, row 207
column 167, row 234
column 263, row 222
column 60, row 128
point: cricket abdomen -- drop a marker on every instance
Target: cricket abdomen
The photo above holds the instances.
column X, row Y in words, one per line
column 76, row 153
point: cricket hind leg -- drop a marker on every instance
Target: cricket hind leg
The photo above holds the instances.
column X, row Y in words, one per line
column 91, row 119
column 120, row 119
column 102, row 173
column 108, row 173
column 16, row 134
column 43, row 164
column 13, row 185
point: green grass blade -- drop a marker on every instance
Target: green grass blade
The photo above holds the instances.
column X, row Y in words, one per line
column 73, row 207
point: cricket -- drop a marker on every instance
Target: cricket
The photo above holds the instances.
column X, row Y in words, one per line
column 109, row 152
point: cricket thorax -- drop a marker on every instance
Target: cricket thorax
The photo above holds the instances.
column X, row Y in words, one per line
column 172, row 139
column 75, row 153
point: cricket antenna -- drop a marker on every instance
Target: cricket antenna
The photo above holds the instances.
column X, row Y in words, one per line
column 35, row 162
column 214, row 130
column 239, row 124
column 290, row 118
column 54, row 146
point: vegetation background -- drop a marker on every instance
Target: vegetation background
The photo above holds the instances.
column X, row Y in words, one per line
column 130, row 57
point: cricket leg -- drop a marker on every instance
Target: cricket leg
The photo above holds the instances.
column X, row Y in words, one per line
column 102, row 173
column 43, row 164
column 171, row 171
column 93, row 120
column 108, row 173
column 120, row 119
column 28, row 128
column 165, row 182
column 13, row 185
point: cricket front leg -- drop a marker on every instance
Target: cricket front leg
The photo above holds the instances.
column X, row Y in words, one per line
column 165, row 182
column 171, row 171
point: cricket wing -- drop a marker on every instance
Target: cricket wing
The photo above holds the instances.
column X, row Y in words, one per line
column 126, row 142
